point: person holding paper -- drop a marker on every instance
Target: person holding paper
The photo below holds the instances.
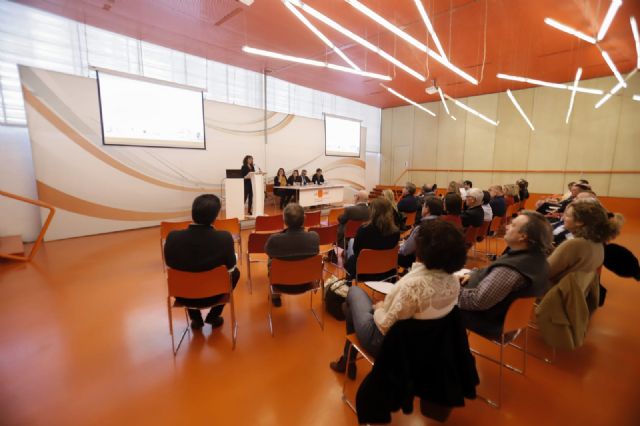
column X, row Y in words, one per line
column 247, row 170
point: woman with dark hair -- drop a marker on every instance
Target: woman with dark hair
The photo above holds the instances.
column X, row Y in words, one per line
column 452, row 209
column 379, row 233
column 428, row 291
column 247, row 169
column 279, row 182
column 591, row 227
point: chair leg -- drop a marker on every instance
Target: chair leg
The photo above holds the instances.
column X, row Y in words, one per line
column 270, row 308
column 234, row 322
column 321, row 319
column 344, row 383
column 249, row 283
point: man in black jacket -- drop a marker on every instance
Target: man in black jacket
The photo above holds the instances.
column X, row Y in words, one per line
column 408, row 203
column 201, row 248
column 473, row 215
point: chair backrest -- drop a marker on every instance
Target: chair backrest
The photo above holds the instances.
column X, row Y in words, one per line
column 518, row 314
column 257, row 242
column 166, row 227
column 334, row 214
column 452, row 219
column 376, row 261
column 231, row 225
column 328, row 234
column 496, row 222
column 411, row 218
column 483, row 231
column 312, row 219
column 198, row 285
column 470, row 235
column 291, row 272
column 269, row 223
column 351, row 228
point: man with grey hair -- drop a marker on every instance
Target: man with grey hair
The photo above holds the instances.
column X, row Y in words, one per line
column 473, row 215
column 359, row 211
column 294, row 243
column 408, row 203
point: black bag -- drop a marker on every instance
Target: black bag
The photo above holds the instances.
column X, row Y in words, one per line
column 335, row 295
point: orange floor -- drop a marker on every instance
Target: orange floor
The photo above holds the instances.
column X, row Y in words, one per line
column 85, row 341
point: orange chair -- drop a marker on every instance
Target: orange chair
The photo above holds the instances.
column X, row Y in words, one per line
column 452, row 219
column 233, row 227
column 361, row 353
column 411, row 218
column 312, row 219
column 516, row 320
column 269, row 223
column 470, row 235
column 334, row 214
column 255, row 246
column 482, row 234
column 285, row 273
column 350, row 230
column 328, row 237
column 492, row 234
column 165, row 229
column 371, row 262
column 199, row 285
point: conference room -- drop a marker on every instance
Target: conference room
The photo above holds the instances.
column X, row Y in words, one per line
column 204, row 212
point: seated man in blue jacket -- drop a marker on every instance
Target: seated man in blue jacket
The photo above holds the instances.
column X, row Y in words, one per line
column 409, row 202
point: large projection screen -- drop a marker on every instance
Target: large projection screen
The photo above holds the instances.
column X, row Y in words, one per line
column 138, row 112
column 341, row 136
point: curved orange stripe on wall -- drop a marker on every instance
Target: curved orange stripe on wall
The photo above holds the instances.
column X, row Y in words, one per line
column 83, row 143
column 273, row 129
column 77, row 205
column 346, row 161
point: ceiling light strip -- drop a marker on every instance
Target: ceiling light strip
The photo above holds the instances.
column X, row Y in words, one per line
column 613, row 8
column 565, row 28
column 446, row 108
column 636, row 37
column 397, row 31
column 319, row 34
column 432, row 31
column 613, row 67
column 313, row 62
column 550, row 84
column 573, row 93
column 615, row 89
column 517, row 105
column 404, row 98
column 636, row 98
column 471, row 110
column 357, row 38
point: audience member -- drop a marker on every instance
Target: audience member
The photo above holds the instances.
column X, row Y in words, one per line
column 202, row 248
column 429, row 291
column 523, row 190
column 379, row 233
column 408, row 203
column 294, row 243
column 465, row 187
column 559, row 230
column 454, row 188
column 431, row 209
column 359, row 211
column 398, row 218
column 497, row 203
column 473, row 215
column 486, row 208
column 522, row 271
column 452, row 209
column 317, row 178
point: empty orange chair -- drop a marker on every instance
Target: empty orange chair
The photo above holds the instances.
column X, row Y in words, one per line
column 312, row 219
column 269, row 223
column 411, row 218
column 165, row 229
column 255, row 247
column 351, row 229
column 233, row 227
column 334, row 214
column 328, row 237
column 199, row 285
column 373, row 262
column 286, row 273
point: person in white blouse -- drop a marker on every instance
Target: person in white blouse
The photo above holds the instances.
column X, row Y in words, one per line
column 428, row 291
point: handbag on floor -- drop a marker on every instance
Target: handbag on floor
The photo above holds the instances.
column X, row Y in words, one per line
column 335, row 295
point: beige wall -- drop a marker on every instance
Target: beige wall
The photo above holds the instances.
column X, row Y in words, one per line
column 602, row 140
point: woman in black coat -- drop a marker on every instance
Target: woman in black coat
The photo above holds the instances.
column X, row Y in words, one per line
column 247, row 167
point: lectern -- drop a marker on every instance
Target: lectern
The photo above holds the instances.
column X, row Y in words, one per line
column 234, row 195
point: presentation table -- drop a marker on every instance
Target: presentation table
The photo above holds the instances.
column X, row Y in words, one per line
column 314, row 195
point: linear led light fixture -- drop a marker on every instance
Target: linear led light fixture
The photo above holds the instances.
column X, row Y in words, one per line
column 517, row 105
column 471, row 110
column 313, row 62
column 636, row 37
column 550, row 84
column 613, row 8
column 356, row 38
column 319, row 34
column 636, row 98
column 404, row 98
column 615, row 89
column 446, row 108
column 573, row 93
column 564, row 28
column 432, row 31
column 613, row 68
column 419, row 45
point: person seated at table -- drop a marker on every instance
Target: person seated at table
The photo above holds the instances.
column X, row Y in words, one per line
column 279, row 182
column 379, row 233
column 304, row 178
column 431, row 210
column 317, row 178
column 294, row 178
column 428, row 291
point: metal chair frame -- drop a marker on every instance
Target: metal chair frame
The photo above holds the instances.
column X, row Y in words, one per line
column 360, row 354
column 255, row 245
column 232, row 225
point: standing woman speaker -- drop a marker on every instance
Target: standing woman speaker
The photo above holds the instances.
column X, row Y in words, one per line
column 247, row 168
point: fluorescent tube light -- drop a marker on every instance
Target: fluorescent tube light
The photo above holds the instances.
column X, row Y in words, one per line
column 613, row 68
column 471, row 110
column 613, row 8
column 615, row 89
column 517, row 105
column 313, row 62
column 319, row 34
column 404, row 98
column 550, row 84
column 397, row 31
column 573, row 93
column 446, row 108
column 432, row 31
column 564, row 28
column 636, row 98
column 636, row 37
